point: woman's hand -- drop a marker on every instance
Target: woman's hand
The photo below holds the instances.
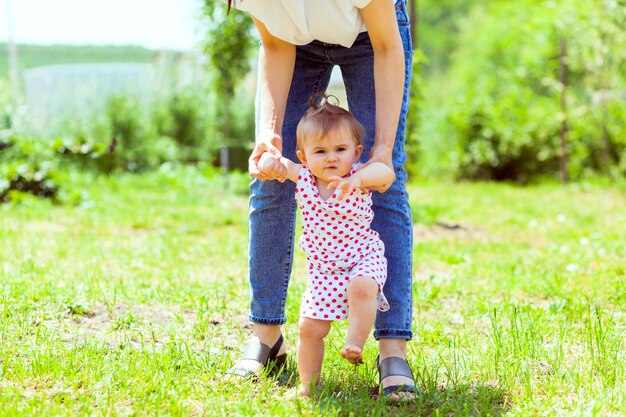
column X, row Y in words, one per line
column 266, row 142
column 272, row 167
column 345, row 185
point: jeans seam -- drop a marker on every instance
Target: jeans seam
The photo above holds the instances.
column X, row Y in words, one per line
column 402, row 7
column 393, row 334
column 270, row 322
column 329, row 55
column 290, row 261
column 317, row 83
column 347, row 89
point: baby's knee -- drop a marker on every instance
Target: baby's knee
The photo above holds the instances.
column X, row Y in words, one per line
column 311, row 328
column 362, row 287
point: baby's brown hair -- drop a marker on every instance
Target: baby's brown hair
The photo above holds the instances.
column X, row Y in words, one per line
column 320, row 118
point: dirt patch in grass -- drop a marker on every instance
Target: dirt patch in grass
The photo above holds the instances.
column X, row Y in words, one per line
column 149, row 327
column 433, row 270
column 137, row 324
column 44, row 227
column 448, row 230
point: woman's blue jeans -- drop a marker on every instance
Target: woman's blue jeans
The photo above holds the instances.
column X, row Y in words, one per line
column 273, row 207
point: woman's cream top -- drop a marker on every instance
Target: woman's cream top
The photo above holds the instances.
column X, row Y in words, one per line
column 301, row 21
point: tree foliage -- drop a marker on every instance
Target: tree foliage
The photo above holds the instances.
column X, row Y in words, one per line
column 508, row 113
column 438, row 28
column 228, row 44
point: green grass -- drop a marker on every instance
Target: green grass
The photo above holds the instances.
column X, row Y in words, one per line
column 134, row 301
column 31, row 56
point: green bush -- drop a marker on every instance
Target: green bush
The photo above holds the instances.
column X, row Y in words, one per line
column 183, row 117
column 241, row 130
column 26, row 167
column 179, row 128
column 128, row 149
column 412, row 143
column 121, row 139
column 505, row 140
column 26, row 177
column 87, row 154
column 507, row 113
column 6, row 107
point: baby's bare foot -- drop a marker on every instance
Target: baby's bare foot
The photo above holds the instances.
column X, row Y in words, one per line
column 352, row 353
column 309, row 390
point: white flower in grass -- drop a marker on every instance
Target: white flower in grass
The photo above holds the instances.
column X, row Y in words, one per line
column 561, row 218
column 584, row 241
column 571, row 267
column 457, row 318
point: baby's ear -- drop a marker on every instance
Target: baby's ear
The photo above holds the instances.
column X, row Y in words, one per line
column 301, row 156
column 357, row 152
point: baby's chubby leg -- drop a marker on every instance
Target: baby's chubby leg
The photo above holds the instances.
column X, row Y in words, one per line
column 311, row 351
column 362, row 293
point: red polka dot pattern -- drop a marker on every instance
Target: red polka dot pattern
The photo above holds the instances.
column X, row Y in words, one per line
column 339, row 246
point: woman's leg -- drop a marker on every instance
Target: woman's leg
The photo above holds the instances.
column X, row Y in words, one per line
column 392, row 214
column 311, row 352
column 272, row 208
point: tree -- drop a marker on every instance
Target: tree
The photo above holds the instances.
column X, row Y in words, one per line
column 228, row 45
column 508, row 120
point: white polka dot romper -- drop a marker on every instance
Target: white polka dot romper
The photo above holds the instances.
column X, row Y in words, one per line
column 339, row 246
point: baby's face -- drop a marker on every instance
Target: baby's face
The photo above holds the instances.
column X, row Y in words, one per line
column 331, row 155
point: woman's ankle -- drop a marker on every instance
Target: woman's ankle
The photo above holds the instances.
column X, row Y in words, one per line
column 267, row 335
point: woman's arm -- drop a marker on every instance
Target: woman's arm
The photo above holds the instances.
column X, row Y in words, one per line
column 276, row 62
column 380, row 19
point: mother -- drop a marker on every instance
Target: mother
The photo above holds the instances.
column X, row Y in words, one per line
column 301, row 42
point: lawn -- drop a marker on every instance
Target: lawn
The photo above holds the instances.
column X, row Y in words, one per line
column 133, row 301
column 32, row 56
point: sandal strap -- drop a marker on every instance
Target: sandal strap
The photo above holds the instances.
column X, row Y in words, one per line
column 394, row 366
column 393, row 389
column 261, row 352
column 276, row 347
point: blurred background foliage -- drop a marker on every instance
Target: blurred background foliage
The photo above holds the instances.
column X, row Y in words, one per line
column 494, row 100
column 503, row 90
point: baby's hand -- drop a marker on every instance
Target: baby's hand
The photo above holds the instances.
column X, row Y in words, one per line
column 345, row 185
column 272, row 167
